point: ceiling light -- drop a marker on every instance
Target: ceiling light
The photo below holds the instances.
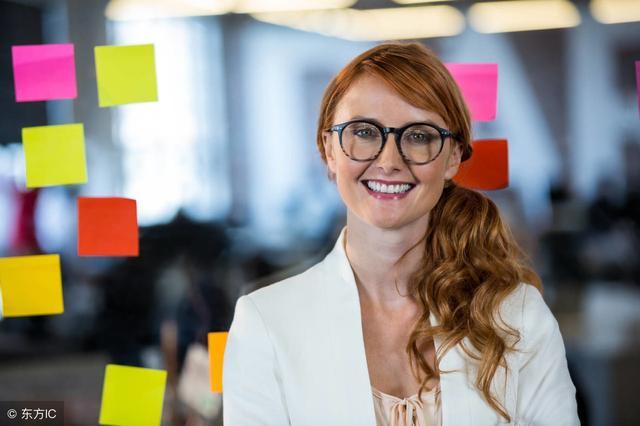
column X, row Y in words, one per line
column 374, row 24
column 615, row 11
column 523, row 15
column 417, row 1
column 122, row 10
column 266, row 6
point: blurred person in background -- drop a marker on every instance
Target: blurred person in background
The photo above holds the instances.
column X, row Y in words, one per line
column 425, row 312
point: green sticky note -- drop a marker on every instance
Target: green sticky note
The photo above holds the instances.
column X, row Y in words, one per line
column 132, row 396
column 54, row 155
column 126, row 74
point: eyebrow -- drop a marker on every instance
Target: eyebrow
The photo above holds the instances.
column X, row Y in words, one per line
column 361, row 117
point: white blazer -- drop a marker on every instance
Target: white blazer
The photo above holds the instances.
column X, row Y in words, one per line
column 295, row 356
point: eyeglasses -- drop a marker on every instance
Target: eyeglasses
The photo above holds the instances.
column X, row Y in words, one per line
column 418, row 143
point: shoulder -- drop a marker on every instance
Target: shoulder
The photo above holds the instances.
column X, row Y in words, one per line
column 526, row 311
column 286, row 313
column 539, row 325
column 295, row 297
column 525, row 305
column 289, row 289
column 274, row 305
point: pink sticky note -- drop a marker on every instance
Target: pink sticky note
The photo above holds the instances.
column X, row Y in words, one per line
column 479, row 86
column 638, row 82
column 44, row 72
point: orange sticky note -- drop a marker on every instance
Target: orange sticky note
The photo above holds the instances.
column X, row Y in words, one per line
column 488, row 167
column 31, row 285
column 217, row 343
column 107, row 226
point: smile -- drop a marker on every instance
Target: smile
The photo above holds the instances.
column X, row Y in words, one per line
column 389, row 188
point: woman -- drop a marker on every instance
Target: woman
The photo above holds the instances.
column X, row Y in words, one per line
column 424, row 313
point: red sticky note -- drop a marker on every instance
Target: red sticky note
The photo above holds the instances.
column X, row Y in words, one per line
column 44, row 72
column 479, row 86
column 488, row 167
column 638, row 82
column 107, row 226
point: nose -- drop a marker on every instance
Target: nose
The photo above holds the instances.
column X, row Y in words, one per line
column 390, row 159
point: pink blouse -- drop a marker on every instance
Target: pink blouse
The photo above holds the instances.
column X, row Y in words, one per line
column 411, row 411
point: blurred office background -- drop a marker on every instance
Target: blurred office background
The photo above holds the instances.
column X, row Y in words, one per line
column 232, row 194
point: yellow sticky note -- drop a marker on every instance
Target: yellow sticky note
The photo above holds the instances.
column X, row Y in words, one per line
column 31, row 285
column 132, row 395
column 126, row 74
column 54, row 155
column 217, row 344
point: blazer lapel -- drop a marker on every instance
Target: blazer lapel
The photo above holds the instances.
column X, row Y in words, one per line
column 454, row 388
column 351, row 374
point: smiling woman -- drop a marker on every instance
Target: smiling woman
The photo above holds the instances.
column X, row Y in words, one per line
column 425, row 311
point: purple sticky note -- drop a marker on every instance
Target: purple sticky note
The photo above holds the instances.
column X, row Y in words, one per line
column 479, row 86
column 44, row 72
column 638, row 82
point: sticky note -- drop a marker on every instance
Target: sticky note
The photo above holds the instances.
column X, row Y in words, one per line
column 479, row 86
column 54, row 155
column 132, row 395
column 638, row 82
column 31, row 285
column 217, row 343
column 107, row 226
column 488, row 167
column 44, row 72
column 126, row 74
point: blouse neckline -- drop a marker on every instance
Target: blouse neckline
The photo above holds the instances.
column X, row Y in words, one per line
column 429, row 394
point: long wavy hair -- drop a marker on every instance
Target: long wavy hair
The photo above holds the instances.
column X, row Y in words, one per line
column 471, row 261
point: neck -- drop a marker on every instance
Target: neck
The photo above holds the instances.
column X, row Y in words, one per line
column 374, row 254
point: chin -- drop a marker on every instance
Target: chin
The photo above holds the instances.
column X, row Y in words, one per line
column 395, row 222
column 387, row 223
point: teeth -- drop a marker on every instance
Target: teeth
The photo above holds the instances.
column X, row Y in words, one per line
column 388, row 189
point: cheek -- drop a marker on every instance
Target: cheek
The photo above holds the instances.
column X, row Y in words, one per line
column 432, row 177
column 348, row 171
column 432, row 174
column 432, row 182
column 347, row 184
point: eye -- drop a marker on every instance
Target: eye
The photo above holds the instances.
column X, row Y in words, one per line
column 416, row 136
column 364, row 131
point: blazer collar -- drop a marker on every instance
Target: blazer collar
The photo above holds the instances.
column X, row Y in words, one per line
column 456, row 409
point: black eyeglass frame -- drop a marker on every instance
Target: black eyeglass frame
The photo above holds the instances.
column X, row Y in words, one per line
column 398, row 131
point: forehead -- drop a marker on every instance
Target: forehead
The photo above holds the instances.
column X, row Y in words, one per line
column 371, row 97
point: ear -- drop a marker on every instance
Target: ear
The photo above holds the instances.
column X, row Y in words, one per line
column 329, row 152
column 453, row 162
